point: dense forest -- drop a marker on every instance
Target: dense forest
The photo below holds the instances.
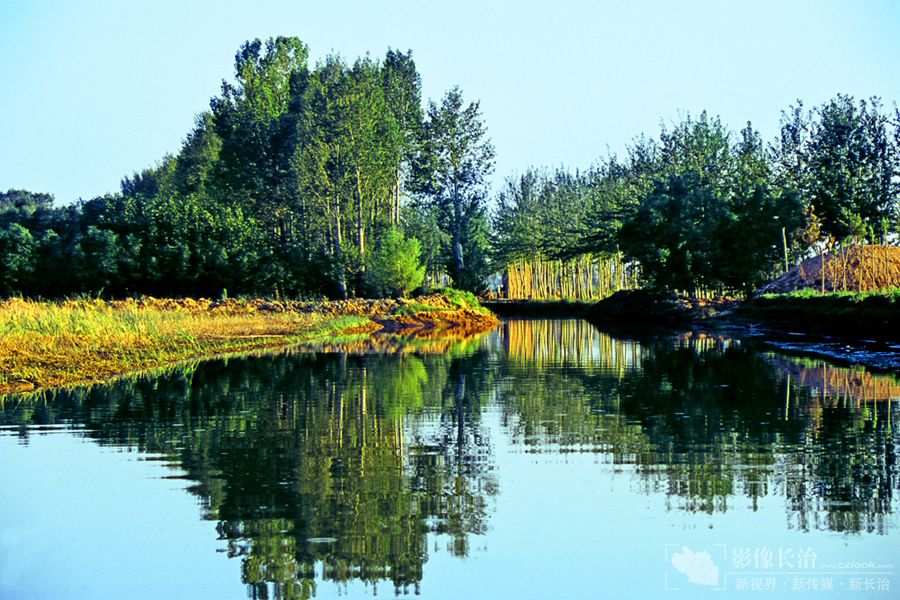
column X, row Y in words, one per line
column 339, row 180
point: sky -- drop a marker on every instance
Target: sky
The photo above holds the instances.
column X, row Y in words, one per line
column 92, row 91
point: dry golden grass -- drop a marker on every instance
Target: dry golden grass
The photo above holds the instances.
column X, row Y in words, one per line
column 53, row 343
column 47, row 344
column 859, row 268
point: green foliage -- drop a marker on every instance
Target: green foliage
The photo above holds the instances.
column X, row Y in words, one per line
column 672, row 233
column 284, row 186
column 701, row 208
column 16, row 250
column 450, row 175
column 464, row 299
column 395, row 268
column 297, row 175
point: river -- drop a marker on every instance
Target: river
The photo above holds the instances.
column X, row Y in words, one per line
column 546, row 459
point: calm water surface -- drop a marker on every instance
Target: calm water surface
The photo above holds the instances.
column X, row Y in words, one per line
column 547, row 459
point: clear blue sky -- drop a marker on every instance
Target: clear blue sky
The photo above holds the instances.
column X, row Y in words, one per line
column 92, row 91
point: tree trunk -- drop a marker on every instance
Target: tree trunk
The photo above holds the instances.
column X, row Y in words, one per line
column 338, row 251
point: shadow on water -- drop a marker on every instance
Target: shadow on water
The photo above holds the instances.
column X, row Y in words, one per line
column 346, row 464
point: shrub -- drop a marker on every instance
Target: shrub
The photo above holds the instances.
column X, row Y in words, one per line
column 396, row 267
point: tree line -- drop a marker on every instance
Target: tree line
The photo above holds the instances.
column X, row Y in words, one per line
column 288, row 185
column 699, row 207
column 337, row 179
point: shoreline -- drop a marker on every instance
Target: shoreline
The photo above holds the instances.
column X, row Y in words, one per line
column 48, row 345
column 840, row 315
column 850, row 329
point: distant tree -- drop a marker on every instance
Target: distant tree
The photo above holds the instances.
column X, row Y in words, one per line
column 403, row 96
column 852, row 167
column 253, row 119
column 450, row 175
column 322, row 164
column 23, row 202
column 516, row 218
column 16, row 261
column 759, row 217
column 673, row 233
column 194, row 170
column 789, row 154
column 421, row 222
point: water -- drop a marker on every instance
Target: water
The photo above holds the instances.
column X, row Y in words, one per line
column 547, row 459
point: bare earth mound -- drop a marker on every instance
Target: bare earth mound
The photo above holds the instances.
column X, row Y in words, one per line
column 852, row 269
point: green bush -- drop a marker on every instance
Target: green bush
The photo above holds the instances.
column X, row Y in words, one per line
column 396, row 267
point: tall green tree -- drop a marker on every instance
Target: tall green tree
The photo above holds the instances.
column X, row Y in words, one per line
column 451, row 173
column 252, row 120
column 759, row 219
column 17, row 246
column 322, row 161
column 403, row 95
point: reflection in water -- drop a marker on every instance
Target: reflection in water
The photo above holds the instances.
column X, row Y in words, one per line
column 310, row 462
column 707, row 421
column 350, row 465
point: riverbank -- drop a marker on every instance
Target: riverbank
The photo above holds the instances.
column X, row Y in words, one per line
column 539, row 308
column 659, row 307
column 857, row 315
column 851, row 328
column 873, row 315
column 51, row 344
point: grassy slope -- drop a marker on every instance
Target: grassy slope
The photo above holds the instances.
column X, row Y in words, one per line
column 874, row 314
column 46, row 344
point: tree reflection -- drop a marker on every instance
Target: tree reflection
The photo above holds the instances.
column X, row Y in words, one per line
column 313, row 465
column 707, row 420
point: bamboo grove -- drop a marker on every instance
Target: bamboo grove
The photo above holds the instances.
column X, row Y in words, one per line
column 337, row 179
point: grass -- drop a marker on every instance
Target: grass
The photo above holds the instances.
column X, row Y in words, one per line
column 465, row 300
column 874, row 315
column 48, row 344
column 86, row 340
column 415, row 308
column 891, row 295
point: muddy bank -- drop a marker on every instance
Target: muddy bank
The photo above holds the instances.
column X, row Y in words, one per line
column 847, row 329
column 870, row 316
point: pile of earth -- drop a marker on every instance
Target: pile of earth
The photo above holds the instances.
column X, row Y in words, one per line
column 854, row 268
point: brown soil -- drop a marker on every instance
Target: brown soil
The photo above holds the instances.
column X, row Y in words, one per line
column 854, row 268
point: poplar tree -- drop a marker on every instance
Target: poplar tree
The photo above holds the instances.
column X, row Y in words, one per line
column 450, row 172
